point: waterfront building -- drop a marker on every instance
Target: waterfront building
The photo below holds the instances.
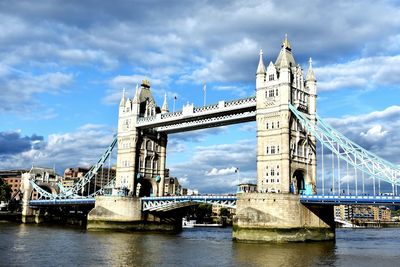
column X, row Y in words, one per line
column 172, row 187
column 344, row 212
column 13, row 179
column 382, row 213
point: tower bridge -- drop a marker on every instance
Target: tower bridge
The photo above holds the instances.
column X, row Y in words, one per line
column 286, row 206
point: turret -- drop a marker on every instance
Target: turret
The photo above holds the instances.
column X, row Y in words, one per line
column 164, row 108
column 261, row 72
column 123, row 99
column 285, row 61
column 311, row 85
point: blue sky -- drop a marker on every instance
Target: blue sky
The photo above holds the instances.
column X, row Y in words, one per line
column 63, row 66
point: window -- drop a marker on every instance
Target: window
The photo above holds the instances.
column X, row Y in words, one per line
column 272, row 149
column 277, row 124
column 267, row 151
column 271, row 93
column 271, row 77
column 266, row 126
column 276, row 92
column 277, row 180
column 272, row 125
column 272, row 180
column 266, row 180
column 272, row 172
column 277, row 149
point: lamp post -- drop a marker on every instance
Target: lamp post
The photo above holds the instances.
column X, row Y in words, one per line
column 204, row 92
column 238, row 178
column 173, row 108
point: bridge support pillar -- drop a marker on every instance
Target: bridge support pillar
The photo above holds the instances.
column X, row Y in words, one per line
column 268, row 217
column 125, row 213
column 28, row 214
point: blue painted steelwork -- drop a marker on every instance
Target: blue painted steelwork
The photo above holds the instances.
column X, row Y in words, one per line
column 62, row 202
column 350, row 200
column 174, row 202
column 349, row 151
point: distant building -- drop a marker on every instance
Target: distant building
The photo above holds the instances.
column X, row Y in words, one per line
column 216, row 210
column 13, row 178
column 247, row 188
column 103, row 177
column 344, row 212
column 172, row 187
column 74, row 173
column 382, row 213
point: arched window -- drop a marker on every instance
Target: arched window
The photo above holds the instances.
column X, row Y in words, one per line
column 148, row 145
column 148, row 163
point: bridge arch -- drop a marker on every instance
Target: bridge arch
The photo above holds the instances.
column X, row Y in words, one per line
column 146, row 188
column 298, row 181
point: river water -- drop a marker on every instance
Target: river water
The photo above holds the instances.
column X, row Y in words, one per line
column 39, row 245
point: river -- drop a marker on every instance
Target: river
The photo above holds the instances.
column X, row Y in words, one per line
column 39, row 245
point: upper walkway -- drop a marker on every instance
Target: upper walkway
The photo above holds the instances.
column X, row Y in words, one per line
column 193, row 118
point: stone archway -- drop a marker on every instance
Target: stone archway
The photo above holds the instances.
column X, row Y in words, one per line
column 299, row 182
column 146, row 188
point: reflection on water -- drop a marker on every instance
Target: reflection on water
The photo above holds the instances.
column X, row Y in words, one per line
column 287, row 254
column 38, row 245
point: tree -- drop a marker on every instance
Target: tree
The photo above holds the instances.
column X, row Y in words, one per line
column 5, row 191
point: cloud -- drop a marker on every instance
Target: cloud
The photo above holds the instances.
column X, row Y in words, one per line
column 375, row 131
column 370, row 72
column 18, row 89
column 81, row 148
column 205, row 41
column 211, row 169
column 12, row 143
column 216, row 172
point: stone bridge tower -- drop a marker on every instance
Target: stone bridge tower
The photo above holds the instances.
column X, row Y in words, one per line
column 286, row 154
column 141, row 153
column 286, row 160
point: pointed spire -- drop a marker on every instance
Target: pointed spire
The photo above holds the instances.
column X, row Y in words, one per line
column 310, row 72
column 136, row 97
column 123, row 99
column 285, row 43
column 261, row 67
column 285, row 58
column 165, row 108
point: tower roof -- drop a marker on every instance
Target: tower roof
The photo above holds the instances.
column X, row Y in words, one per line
column 165, row 104
column 261, row 67
column 123, row 99
column 310, row 72
column 145, row 92
column 285, row 58
column 137, row 94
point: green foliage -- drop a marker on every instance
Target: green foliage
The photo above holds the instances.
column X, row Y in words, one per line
column 5, row 191
column 224, row 212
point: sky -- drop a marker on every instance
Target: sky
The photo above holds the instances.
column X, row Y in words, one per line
column 63, row 65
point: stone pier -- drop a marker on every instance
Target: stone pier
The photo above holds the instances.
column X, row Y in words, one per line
column 125, row 213
column 266, row 217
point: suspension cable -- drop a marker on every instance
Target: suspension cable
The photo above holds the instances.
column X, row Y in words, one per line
column 333, row 173
column 338, row 168
column 323, row 170
column 355, row 174
column 363, row 183
column 348, row 177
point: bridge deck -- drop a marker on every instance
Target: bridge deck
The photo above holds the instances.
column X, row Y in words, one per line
column 350, row 200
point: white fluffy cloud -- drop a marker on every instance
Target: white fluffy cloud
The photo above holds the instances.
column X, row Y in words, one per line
column 376, row 131
column 369, row 72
